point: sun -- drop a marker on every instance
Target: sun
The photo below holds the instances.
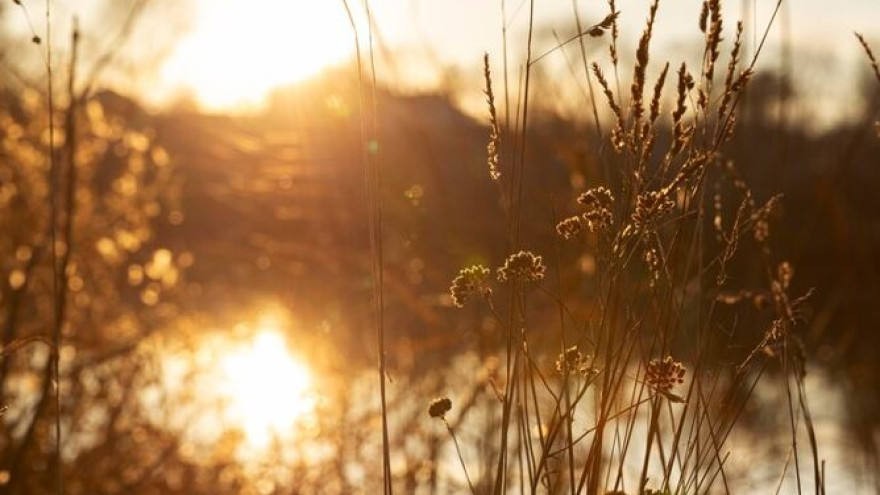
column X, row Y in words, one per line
column 267, row 390
column 238, row 50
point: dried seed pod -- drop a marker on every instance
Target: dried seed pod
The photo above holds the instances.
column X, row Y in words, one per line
column 524, row 266
column 663, row 375
column 469, row 283
column 439, row 407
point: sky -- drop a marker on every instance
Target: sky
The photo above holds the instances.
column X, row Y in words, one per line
column 238, row 49
column 228, row 54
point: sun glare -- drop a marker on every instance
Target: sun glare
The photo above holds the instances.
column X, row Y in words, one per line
column 239, row 50
column 266, row 388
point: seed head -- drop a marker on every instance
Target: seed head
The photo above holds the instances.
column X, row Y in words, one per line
column 608, row 21
column 642, row 57
column 704, row 16
column 598, row 197
column 493, row 148
column 730, row 79
column 439, row 407
column 523, row 265
column 713, row 38
column 469, row 283
column 611, row 21
column 665, row 374
column 650, row 207
column 572, row 361
column 658, row 90
column 570, row 228
column 609, row 95
column 681, row 131
column 598, row 202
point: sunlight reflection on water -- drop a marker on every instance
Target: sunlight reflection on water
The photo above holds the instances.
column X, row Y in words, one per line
column 255, row 385
column 248, row 381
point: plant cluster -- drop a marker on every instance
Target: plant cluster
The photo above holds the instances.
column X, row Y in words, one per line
column 642, row 401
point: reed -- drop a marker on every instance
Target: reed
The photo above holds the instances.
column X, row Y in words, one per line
column 646, row 379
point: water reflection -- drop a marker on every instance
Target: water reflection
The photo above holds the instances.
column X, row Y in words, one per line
column 249, row 382
column 260, row 404
column 267, row 388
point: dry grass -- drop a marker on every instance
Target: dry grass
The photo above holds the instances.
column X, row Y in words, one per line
column 874, row 66
column 642, row 399
column 635, row 378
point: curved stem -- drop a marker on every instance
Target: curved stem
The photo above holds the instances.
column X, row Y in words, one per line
column 460, row 457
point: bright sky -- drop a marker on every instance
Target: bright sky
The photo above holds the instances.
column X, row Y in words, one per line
column 235, row 51
column 239, row 49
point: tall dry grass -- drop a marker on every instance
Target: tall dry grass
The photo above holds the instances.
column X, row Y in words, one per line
column 650, row 378
column 67, row 202
column 643, row 395
column 875, row 68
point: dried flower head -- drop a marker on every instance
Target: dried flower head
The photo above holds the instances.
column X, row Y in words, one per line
column 523, row 265
column 598, row 197
column 650, row 207
column 469, row 283
column 570, row 228
column 665, row 374
column 599, row 220
column 572, row 361
column 598, row 202
column 439, row 407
